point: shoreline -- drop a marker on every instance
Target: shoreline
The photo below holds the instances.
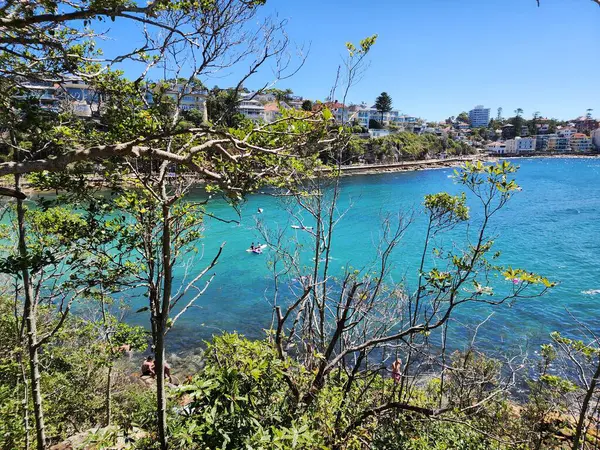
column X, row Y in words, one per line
column 431, row 164
column 416, row 166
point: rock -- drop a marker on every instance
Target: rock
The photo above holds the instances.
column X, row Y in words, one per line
column 110, row 438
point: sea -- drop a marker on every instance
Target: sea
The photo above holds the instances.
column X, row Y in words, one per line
column 550, row 227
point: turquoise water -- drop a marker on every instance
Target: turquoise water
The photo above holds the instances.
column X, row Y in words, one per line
column 552, row 227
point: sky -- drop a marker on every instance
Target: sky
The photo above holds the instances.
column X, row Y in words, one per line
column 437, row 58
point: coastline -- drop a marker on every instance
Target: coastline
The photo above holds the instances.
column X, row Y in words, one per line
column 412, row 166
column 431, row 164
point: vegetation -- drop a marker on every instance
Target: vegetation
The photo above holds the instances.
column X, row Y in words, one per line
column 403, row 146
column 120, row 223
column 383, row 104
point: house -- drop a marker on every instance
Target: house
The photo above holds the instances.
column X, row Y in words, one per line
column 566, row 132
column 43, row 92
column 375, row 133
column 252, row 109
column 462, row 126
column 585, row 124
column 497, row 148
column 272, row 111
column 362, row 114
column 520, row 145
column 581, row 143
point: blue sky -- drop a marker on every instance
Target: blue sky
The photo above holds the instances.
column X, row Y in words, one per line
column 437, row 58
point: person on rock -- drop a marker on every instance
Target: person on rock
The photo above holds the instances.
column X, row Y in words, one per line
column 148, row 367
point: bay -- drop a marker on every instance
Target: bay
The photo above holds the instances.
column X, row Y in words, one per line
column 552, row 227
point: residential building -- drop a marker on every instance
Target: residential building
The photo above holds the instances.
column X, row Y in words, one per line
column 363, row 114
column 44, row 92
column 566, row 132
column 541, row 141
column 596, row 138
column 542, row 126
column 581, row 143
column 585, row 124
column 375, row 133
column 252, row 109
column 559, row 144
column 272, row 111
column 520, row 145
column 462, row 126
column 497, row 148
column 479, row 117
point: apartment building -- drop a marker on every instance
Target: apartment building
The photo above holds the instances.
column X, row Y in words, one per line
column 520, row 145
column 596, row 138
column 479, row 117
column 581, row 143
column 559, row 144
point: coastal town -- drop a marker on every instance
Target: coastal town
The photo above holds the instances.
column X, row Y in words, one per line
column 477, row 129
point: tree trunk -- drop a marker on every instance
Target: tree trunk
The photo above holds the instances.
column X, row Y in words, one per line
column 162, row 327
column 107, row 398
column 161, row 400
column 584, row 408
column 31, row 326
column 25, row 400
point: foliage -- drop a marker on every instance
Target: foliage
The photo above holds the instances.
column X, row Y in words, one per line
column 383, row 103
column 307, row 105
column 75, row 365
column 403, row 146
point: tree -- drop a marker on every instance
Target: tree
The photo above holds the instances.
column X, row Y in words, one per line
column 144, row 141
column 307, row 105
column 463, row 117
column 588, row 114
column 375, row 125
column 383, row 104
column 519, row 112
column 346, row 327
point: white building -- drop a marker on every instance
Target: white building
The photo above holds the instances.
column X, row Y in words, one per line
column 581, row 143
column 479, row 116
column 520, row 145
column 566, row 132
column 374, row 133
column 252, row 109
column 498, row 148
column 363, row 114
column 596, row 138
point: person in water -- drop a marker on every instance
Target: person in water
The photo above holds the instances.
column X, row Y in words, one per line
column 397, row 370
column 148, row 367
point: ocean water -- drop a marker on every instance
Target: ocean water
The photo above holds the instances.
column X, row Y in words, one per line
column 551, row 227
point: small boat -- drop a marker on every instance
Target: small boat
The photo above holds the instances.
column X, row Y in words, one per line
column 298, row 227
column 257, row 250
